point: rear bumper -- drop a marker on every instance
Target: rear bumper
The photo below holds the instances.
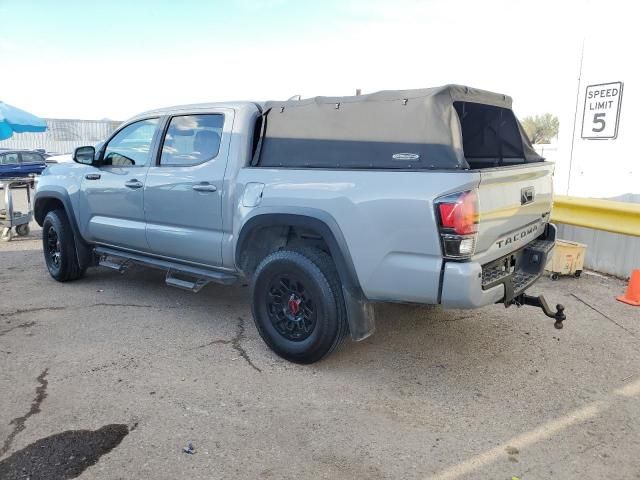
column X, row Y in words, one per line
column 471, row 285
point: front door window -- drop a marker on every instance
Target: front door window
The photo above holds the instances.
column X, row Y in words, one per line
column 131, row 146
column 29, row 157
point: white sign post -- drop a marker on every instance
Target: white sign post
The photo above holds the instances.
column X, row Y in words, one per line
column 601, row 111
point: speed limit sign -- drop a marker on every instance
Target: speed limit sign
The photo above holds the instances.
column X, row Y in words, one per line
column 602, row 110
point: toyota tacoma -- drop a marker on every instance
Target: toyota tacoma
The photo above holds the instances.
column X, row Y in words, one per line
column 325, row 205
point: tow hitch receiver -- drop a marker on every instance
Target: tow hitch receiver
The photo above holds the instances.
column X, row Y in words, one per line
column 539, row 301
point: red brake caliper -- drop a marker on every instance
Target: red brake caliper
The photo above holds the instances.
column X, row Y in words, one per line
column 294, row 304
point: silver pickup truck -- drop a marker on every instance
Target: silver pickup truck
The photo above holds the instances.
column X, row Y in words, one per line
column 326, row 205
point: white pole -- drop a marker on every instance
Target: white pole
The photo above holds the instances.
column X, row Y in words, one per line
column 575, row 117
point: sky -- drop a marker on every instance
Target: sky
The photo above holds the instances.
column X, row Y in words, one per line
column 113, row 59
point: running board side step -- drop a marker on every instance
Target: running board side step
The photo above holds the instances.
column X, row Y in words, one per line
column 195, row 284
column 121, row 267
column 187, row 277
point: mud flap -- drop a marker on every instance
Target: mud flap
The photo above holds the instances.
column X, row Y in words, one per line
column 360, row 315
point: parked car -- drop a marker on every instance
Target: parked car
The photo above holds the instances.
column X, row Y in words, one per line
column 21, row 163
column 59, row 158
column 326, row 205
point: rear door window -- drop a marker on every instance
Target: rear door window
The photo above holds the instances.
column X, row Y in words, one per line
column 192, row 139
column 8, row 159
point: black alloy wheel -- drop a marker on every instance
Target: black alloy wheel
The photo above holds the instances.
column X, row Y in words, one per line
column 53, row 252
column 290, row 307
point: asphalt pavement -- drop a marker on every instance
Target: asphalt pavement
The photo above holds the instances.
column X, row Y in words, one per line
column 114, row 375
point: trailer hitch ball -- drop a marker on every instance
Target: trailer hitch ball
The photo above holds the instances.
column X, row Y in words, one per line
column 559, row 316
column 540, row 302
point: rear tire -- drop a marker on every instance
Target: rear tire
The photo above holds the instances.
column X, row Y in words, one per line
column 59, row 247
column 298, row 307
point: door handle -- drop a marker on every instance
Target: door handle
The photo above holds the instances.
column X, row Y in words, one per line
column 92, row 176
column 204, row 187
column 133, row 184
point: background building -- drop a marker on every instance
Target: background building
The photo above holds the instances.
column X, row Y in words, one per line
column 63, row 136
column 596, row 155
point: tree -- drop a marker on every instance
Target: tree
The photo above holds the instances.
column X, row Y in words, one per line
column 541, row 128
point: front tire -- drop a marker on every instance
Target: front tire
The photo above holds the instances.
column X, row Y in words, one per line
column 59, row 247
column 298, row 307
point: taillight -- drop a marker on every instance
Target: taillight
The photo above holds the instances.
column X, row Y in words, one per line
column 459, row 213
column 458, row 219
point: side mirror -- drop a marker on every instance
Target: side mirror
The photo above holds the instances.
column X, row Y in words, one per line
column 84, row 155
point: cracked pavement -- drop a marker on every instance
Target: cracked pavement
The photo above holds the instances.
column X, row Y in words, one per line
column 492, row 393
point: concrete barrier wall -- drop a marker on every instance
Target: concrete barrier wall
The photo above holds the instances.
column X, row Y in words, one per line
column 610, row 253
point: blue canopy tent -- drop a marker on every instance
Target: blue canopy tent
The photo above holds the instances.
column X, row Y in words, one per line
column 13, row 120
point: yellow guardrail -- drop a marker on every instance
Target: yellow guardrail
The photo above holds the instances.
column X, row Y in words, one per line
column 607, row 215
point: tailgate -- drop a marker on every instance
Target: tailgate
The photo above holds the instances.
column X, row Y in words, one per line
column 514, row 206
